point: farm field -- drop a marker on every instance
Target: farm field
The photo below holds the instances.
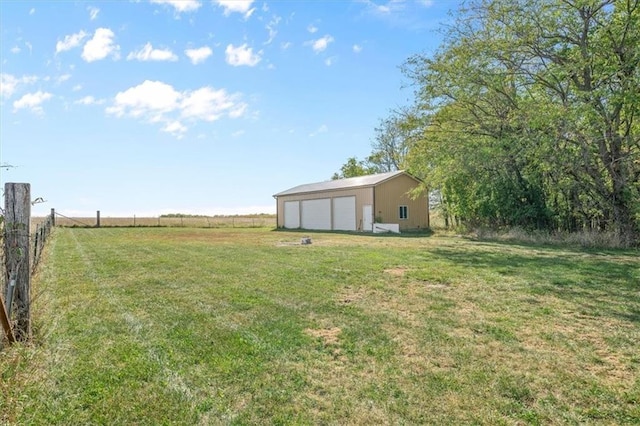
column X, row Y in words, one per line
column 238, row 221
column 247, row 326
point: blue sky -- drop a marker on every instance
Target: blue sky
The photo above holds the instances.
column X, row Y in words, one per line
column 196, row 106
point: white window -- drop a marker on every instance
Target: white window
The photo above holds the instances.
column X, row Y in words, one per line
column 403, row 212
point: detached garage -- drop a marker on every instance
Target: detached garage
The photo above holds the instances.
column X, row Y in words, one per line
column 354, row 204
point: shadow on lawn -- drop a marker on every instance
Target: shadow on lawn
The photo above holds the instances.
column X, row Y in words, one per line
column 600, row 282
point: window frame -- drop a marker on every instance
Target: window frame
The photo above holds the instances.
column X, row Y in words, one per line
column 403, row 212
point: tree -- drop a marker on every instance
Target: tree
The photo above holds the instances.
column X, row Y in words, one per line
column 394, row 137
column 353, row 168
column 532, row 113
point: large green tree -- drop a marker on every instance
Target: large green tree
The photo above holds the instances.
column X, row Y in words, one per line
column 532, row 114
column 353, row 168
column 394, row 136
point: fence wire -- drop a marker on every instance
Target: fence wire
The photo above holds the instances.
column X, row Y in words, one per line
column 3, row 269
column 38, row 241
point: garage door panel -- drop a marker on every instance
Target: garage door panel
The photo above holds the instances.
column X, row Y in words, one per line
column 316, row 214
column 292, row 214
column 344, row 213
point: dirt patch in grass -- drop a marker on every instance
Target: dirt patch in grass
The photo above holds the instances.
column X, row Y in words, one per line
column 396, row 272
column 329, row 336
column 350, row 296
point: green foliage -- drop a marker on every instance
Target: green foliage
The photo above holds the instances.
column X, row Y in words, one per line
column 531, row 115
column 394, row 137
column 354, row 168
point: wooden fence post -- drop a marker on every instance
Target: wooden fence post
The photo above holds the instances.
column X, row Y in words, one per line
column 17, row 210
column 53, row 217
column 98, row 219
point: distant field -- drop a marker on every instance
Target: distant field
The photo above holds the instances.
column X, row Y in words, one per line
column 192, row 326
column 252, row 221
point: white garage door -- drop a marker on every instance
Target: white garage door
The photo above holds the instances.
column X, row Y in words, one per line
column 316, row 214
column 344, row 214
column 292, row 214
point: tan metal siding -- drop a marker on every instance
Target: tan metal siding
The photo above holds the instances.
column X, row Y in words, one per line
column 392, row 194
column 363, row 196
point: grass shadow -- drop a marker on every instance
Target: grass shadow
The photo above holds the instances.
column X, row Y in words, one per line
column 599, row 280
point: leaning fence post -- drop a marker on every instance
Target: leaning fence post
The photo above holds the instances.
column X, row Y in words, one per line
column 6, row 322
column 17, row 197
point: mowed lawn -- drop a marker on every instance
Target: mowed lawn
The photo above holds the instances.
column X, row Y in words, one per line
column 185, row 326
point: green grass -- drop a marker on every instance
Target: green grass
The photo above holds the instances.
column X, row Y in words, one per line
column 246, row 326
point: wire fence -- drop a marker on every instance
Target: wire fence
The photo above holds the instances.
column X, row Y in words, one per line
column 39, row 239
column 10, row 270
column 3, row 265
column 249, row 221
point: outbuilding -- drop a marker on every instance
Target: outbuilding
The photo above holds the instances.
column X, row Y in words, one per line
column 354, row 204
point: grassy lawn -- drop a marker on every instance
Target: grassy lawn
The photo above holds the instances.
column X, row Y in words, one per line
column 246, row 326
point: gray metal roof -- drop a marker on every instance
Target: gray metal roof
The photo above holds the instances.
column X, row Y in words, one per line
column 332, row 185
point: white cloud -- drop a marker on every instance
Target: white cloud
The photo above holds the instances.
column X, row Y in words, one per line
column 158, row 102
column 206, row 104
column 63, row 78
column 320, row 44
column 198, row 55
column 319, row 130
column 15, row 49
column 101, row 46
column 241, row 55
column 389, row 7
column 93, row 12
column 148, row 53
column 150, row 97
column 271, row 28
column 238, row 110
column 175, row 128
column 9, row 84
column 32, row 101
column 330, row 61
column 286, row 45
column 89, row 100
column 70, row 41
column 240, row 6
column 312, row 28
column 398, row 13
column 180, row 5
column 357, row 48
column 77, row 87
column 32, row 11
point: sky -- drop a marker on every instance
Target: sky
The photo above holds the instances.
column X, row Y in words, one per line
column 204, row 107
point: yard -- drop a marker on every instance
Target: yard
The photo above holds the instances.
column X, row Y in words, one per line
column 245, row 326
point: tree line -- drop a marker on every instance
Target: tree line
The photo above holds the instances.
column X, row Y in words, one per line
column 527, row 116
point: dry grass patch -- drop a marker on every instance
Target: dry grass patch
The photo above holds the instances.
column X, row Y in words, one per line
column 328, row 336
column 396, row 272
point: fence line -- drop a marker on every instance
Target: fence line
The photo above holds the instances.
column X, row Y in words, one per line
column 39, row 239
column 19, row 262
column 249, row 221
column 74, row 221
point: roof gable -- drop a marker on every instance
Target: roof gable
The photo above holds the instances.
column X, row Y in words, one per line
column 354, row 182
